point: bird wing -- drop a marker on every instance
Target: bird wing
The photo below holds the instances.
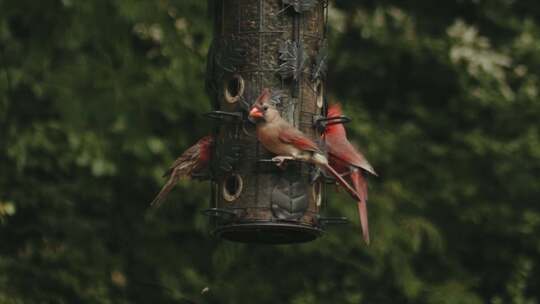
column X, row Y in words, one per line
column 189, row 160
column 295, row 137
column 193, row 159
column 345, row 151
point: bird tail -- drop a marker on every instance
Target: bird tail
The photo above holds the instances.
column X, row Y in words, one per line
column 173, row 179
column 360, row 184
column 342, row 181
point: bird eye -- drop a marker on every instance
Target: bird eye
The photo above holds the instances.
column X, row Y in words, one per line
column 265, row 108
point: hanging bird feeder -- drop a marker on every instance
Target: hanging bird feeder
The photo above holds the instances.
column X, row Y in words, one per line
column 281, row 45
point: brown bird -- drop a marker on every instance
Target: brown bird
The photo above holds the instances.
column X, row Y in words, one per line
column 348, row 161
column 193, row 160
column 289, row 143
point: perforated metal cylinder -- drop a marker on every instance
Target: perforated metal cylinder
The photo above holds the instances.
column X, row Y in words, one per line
column 276, row 44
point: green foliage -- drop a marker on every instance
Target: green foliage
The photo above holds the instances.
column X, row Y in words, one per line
column 98, row 97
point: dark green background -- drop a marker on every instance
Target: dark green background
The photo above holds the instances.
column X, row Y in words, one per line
column 98, row 97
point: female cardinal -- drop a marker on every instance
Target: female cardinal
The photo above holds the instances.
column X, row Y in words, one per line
column 193, row 160
column 289, row 143
column 347, row 160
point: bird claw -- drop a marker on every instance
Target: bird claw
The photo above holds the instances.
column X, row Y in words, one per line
column 315, row 175
column 280, row 161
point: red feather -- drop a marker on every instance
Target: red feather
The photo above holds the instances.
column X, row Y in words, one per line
column 334, row 110
column 360, row 185
column 341, row 149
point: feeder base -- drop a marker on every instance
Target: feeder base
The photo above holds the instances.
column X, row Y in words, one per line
column 268, row 233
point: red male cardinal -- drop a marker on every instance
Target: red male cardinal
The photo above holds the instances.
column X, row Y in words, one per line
column 281, row 138
column 193, row 160
column 347, row 160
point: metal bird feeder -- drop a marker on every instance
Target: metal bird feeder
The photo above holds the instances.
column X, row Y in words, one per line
column 281, row 45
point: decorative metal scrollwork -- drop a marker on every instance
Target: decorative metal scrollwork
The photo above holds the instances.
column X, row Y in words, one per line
column 320, row 66
column 228, row 156
column 293, row 57
column 289, row 199
column 301, row 6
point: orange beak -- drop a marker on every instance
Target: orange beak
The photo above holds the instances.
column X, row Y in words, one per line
column 256, row 113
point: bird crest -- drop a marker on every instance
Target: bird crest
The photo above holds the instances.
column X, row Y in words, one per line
column 268, row 96
column 334, row 110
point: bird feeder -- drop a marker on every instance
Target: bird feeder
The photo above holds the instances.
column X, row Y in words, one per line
column 281, row 45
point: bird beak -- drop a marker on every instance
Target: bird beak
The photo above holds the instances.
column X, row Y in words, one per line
column 256, row 113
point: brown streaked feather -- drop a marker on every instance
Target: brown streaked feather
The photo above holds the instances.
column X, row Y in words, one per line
column 192, row 160
column 189, row 156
